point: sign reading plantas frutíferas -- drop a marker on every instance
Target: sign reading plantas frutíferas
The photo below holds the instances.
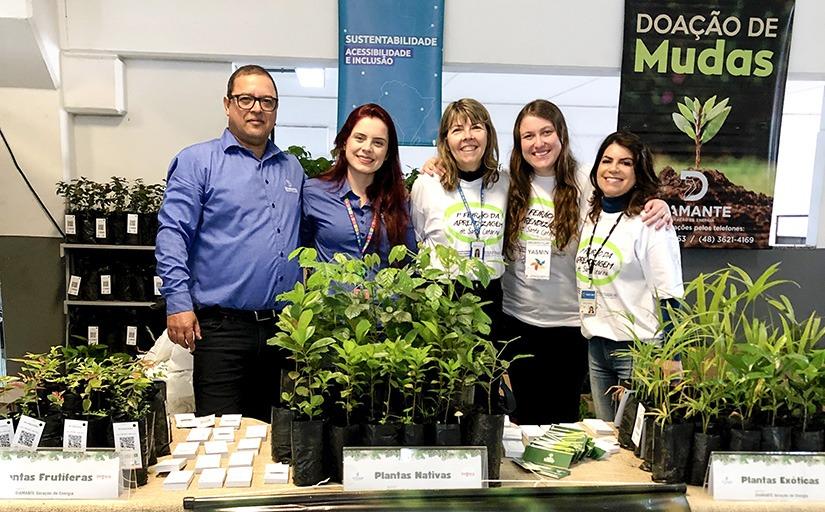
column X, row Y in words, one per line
column 703, row 85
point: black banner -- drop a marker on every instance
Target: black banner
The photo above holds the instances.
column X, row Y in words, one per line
column 703, row 84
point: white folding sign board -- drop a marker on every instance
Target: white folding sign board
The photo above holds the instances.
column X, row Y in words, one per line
column 414, row 468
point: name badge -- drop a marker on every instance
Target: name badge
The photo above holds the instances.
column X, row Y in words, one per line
column 587, row 302
column 537, row 260
column 477, row 249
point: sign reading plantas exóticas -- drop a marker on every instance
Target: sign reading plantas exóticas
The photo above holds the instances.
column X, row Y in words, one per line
column 703, row 85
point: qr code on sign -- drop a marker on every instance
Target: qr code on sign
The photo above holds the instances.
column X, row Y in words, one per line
column 26, row 438
column 74, row 441
column 127, row 443
column 5, row 440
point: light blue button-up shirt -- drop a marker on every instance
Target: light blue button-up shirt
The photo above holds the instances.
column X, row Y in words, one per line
column 327, row 227
column 227, row 225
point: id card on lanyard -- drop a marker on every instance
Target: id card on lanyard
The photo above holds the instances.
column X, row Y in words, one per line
column 587, row 296
column 361, row 243
column 477, row 246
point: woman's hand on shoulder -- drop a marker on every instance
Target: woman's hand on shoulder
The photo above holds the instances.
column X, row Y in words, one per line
column 433, row 167
column 657, row 214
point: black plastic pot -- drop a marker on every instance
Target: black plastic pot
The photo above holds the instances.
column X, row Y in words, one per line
column 162, row 435
column 52, row 436
column 415, row 434
column 811, row 441
column 744, row 440
column 337, row 439
column 308, row 452
column 626, row 423
column 282, row 434
column 146, row 427
column 703, row 445
column 90, row 229
column 447, row 434
column 487, row 430
column 99, row 432
column 116, row 228
column 647, row 444
column 775, row 439
column 387, row 434
column 671, row 452
column 79, row 221
column 148, row 228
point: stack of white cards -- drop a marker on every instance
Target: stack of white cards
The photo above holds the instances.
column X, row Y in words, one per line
column 223, row 434
column 598, row 426
column 230, row 420
column 204, row 462
column 188, row 420
column 199, row 435
column 185, row 450
column 530, row 432
column 211, row 478
column 178, row 480
column 216, row 447
column 513, row 448
column 253, row 431
column 169, row 465
column 276, row 473
column 242, row 458
column 239, row 476
column 249, row 443
column 185, row 420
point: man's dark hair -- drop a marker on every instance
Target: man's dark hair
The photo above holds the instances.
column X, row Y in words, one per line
column 249, row 69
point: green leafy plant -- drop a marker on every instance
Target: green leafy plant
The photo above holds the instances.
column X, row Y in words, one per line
column 130, row 386
column 701, row 121
column 117, row 194
column 312, row 166
column 42, row 376
column 490, row 365
column 298, row 337
column 79, row 194
column 145, row 198
column 405, row 339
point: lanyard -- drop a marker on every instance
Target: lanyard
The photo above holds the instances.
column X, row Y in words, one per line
column 357, row 231
column 476, row 223
column 592, row 262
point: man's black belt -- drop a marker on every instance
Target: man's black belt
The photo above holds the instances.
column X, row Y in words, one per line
column 249, row 315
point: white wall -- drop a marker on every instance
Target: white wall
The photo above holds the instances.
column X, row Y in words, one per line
column 520, row 33
column 30, row 121
column 171, row 104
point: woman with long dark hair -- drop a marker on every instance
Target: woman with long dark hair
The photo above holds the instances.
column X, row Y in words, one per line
column 360, row 205
column 626, row 271
column 547, row 201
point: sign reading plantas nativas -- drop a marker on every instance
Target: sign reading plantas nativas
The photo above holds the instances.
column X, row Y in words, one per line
column 703, row 84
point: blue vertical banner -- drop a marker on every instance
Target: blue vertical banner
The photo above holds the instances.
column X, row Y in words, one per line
column 390, row 53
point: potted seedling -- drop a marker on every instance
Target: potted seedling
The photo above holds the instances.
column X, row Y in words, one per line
column 348, row 375
column 145, row 201
column 132, row 391
column 79, row 196
column 117, row 206
column 485, row 427
column 307, row 349
column 42, row 377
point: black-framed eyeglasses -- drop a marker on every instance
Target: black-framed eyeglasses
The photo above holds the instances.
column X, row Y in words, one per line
column 247, row 101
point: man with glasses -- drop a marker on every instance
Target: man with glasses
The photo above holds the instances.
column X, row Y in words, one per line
column 229, row 220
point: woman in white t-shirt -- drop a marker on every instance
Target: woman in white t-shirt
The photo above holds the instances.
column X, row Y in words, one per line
column 626, row 271
column 464, row 208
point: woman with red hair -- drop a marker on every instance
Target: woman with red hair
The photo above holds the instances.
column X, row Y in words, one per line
column 360, row 205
